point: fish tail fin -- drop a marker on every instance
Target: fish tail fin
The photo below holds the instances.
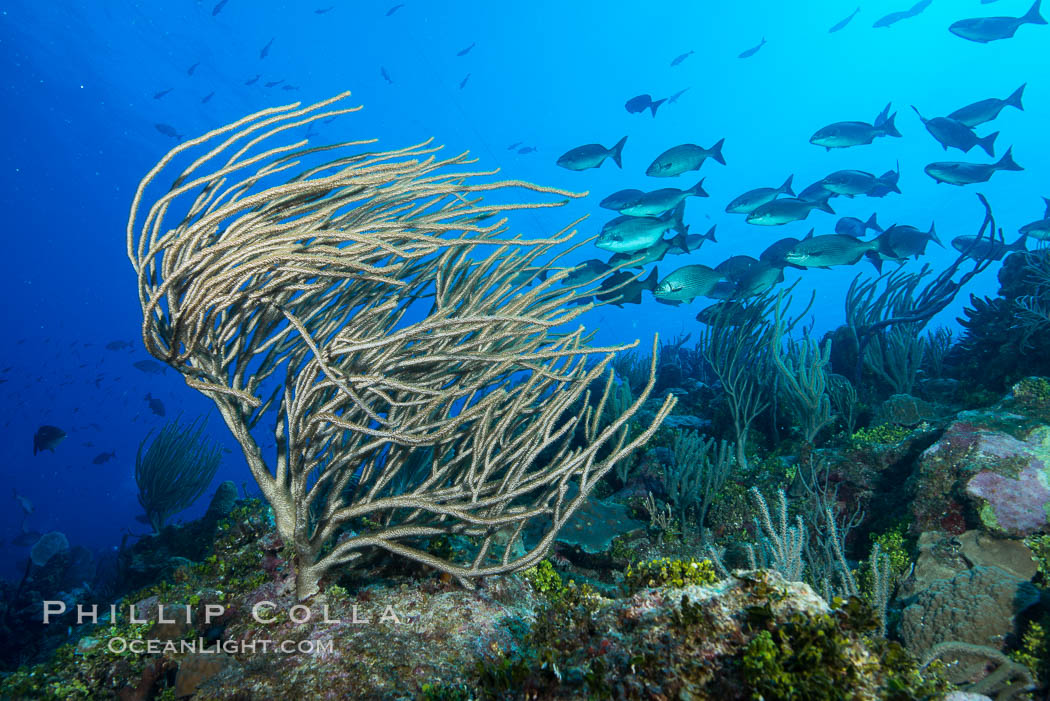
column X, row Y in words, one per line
column 710, row 235
column 617, row 152
column 988, row 143
column 677, row 221
column 1015, row 98
column 873, row 223
column 881, row 118
column 876, row 260
column 890, row 181
column 650, row 282
column 824, row 206
column 1033, row 16
column 698, row 189
column 1021, row 244
column 921, row 118
column 1007, row 162
column 932, row 233
column 888, row 127
column 880, row 246
column 1047, row 201
column 716, row 152
column 786, row 187
column 681, row 242
column 656, row 103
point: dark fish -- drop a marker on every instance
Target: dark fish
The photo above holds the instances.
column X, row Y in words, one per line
column 117, row 345
column 46, row 438
column 727, row 312
column 681, row 57
column 189, row 71
column 620, row 199
column 515, row 145
column 155, row 405
column 895, row 17
column 686, row 284
column 273, row 83
column 986, row 248
column 527, row 149
column 207, row 97
column 674, row 98
column 851, row 183
column 816, row 193
column 218, row 7
column 587, row 271
column 959, row 173
column 104, row 457
column 386, row 76
column 986, row 29
column 591, row 156
column 464, row 52
column 734, row 267
column 253, row 81
column 986, row 110
column 167, row 130
column 641, row 103
column 265, row 51
column 753, row 199
column 953, row 133
column 758, row 279
column 907, row 241
column 748, row 53
column 162, row 93
column 463, row 83
column 841, row 24
column 394, row 9
column 655, row 203
column 625, row 288
column 323, row 10
column 150, row 367
column 846, row 134
column 851, row 226
column 683, row 158
column 785, row 211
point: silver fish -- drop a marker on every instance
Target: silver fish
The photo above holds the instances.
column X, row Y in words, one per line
column 986, row 29
column 620, row 199
column 828, row 250
column 655, row 203
column 985, row 247
column 591, row 156
column 846, row 134
column 683, row 158
column 628, row 234
column 785, row 211
column 851, row 183
column 959, row 173
column 686, row 284
column 753, row 199
column 986, row 110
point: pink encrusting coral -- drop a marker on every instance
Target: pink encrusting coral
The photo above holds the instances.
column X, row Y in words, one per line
column 1016, row 506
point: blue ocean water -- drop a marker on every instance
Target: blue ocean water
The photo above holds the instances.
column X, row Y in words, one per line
column 85, row 85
